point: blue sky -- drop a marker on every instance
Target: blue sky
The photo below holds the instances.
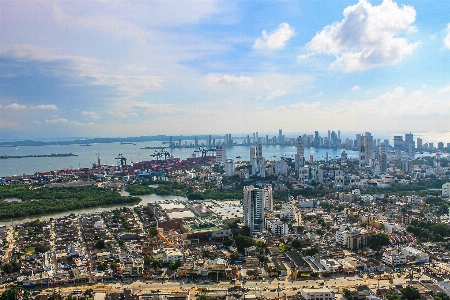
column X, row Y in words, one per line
column 128, row 68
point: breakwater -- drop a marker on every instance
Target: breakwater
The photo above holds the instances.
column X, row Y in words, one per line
column 38, row 155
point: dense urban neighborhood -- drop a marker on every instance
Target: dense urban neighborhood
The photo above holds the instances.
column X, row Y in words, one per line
column 372, row 227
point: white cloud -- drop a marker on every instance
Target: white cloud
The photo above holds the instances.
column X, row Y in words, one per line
column 47, row 107
column 276, row 94
column 447, row 37
column 40, row 107
column 16, row 106
column 368, row 36
column 130, row 86
column 276, row 39
column 109, row 24
column 57, row 121
column 122, row 115
column 356, row 88
column 445, row 90
column 305, row 56
column 90, row 114
column 214, row 79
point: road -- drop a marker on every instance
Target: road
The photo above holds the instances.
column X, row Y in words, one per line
column 260, row 288
column 269, row 288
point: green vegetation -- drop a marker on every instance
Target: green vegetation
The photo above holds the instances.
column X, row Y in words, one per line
column 207, row 191
column 11, row 267
column 428, row 231
column 407, row 293
column 378, row 240
column 14, row 293
column 37, row 201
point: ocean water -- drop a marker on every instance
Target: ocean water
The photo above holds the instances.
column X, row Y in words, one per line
column 108, row 152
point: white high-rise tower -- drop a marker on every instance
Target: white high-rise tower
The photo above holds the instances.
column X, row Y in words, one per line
column 253, row 201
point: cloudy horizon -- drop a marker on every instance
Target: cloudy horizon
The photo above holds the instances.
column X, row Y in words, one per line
column 131, row 68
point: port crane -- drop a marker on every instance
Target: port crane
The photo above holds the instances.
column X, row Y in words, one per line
column 122, row 160
column 159, row 154
column 204, row 151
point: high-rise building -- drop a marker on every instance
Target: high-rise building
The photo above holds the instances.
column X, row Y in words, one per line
column 383, row 162
column 406, row 165
column 253, row 201
column 280, row 137
column 257, row 161
column 229, row 167
column 221, row 154
column 409, row 141
column 398, row 142
column 268, row 197
column 365, row 150
column 300, row 155
column 343, row 157
column 419, row 143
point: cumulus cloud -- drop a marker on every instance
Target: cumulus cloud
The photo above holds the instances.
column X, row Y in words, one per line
column 276, row 39
column 90, row 114
column 368, row 36
column 447, row 37
column 215, row 79
column 356, row 88
column 40, row 107
column 122, row 115
column 57, row 121
column 276, row 94
column 47, row 107
column 445, row 90
column 16, row 106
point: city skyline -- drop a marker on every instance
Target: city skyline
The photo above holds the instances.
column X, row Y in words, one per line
column 110, row 69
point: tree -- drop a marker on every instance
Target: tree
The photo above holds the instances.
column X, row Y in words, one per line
column 311, row 251
column 89, row 293
column 153, row 231
column 102, row 266
column 14, row 293
column 235, row 255
column 296, row 244
column 100, row 244
column 410, row 293
column 378, row 240
column 243, row 242
column 228, row 243
column 173, row 265
column 348, row 294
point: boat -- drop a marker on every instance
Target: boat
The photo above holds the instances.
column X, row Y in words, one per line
column 86, row 145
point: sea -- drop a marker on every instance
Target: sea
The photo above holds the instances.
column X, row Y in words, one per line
column 109, row 152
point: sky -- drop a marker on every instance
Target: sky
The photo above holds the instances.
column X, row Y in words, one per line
column 131, row 68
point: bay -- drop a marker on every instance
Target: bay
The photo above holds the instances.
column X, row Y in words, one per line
column 108, row 152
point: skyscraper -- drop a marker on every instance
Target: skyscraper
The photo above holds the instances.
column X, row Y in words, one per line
column 300, row 155
column 229, row 167
column 419, row 143
column 365, row 150
column 257, row 160
column 253, row 201
column 221, row 154
column 280, row 137
column 268, row 198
